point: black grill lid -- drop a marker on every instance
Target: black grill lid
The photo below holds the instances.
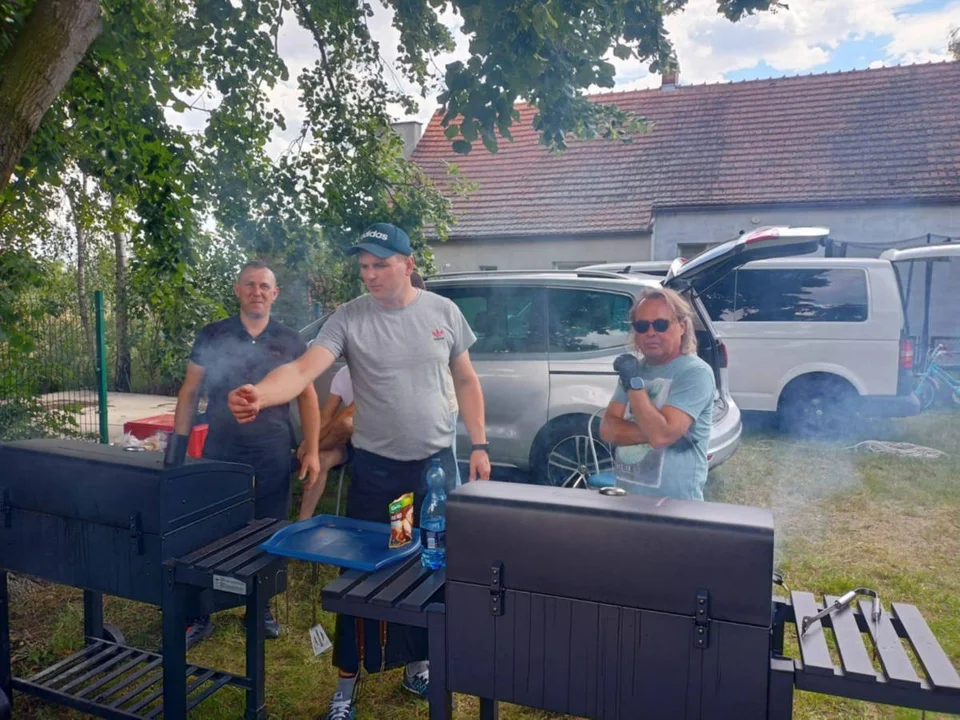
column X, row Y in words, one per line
column 107, row 484
column 635, row 551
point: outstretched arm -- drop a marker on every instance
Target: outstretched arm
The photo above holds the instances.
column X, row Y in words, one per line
column 280, row 386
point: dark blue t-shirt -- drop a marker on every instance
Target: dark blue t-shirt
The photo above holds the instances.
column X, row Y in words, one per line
column 230, row 358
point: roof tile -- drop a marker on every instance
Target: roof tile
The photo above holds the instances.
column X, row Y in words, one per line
column 870, row 135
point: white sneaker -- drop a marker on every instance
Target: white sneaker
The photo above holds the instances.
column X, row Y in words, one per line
column 341, row 708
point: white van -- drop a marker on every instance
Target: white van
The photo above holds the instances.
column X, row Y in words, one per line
column 816, row 340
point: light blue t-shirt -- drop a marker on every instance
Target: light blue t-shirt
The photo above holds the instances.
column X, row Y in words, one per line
column 680, row 470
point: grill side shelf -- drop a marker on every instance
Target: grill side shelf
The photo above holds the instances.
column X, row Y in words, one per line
column 935, row 662
column 853, row 653
column 897, row 684
column 813, row 646
column 893, row 658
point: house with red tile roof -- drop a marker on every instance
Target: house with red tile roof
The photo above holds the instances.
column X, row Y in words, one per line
column 872, row 154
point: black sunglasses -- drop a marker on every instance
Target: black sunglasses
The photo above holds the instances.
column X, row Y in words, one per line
column 659, row 325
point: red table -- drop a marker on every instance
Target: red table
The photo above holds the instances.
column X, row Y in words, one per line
column 147, row 427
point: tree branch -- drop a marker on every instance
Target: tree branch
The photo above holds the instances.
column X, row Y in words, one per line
column 318, row 38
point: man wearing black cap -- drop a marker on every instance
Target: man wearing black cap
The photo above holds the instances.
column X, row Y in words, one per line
column 399, row 343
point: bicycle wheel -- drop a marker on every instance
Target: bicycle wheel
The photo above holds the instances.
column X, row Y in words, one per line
column 926, row 393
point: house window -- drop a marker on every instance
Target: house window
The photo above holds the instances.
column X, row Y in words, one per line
column 573, row 264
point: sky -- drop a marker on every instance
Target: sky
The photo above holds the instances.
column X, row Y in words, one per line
column 812, row 36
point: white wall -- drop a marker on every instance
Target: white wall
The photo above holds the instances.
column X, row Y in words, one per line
column 852, row 224
column 538, row 254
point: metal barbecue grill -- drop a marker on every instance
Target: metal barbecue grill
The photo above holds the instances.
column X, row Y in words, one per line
column 631, row 607
column 112, row 521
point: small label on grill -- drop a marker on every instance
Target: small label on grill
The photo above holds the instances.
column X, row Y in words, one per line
column 319, row 640
column 229, row 584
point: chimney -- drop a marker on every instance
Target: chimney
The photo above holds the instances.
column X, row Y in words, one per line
column 670, row 77
column 409, row 131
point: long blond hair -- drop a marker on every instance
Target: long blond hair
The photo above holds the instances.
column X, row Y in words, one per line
column 682, row 310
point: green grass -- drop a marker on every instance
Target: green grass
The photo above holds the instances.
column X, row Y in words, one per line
column 843, row 519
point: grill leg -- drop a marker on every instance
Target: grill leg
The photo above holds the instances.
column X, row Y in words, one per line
column 256, row 614
column 92, row 615
column 174, row 647
column 6, row 691
column 441, row 701
column 780, row 699
column 489, row 709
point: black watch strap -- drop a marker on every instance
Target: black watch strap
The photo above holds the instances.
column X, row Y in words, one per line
column 482, row 446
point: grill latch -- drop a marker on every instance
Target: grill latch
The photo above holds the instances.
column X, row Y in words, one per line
column 701, row 621
column 496, row 589
column 136, row 533
column 5, row 509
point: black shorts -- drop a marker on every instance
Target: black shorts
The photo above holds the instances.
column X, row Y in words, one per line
column 376, row 482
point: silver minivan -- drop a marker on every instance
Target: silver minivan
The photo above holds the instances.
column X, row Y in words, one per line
column 546, row 341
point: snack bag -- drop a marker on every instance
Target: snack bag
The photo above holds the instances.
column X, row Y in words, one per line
column 401, row 521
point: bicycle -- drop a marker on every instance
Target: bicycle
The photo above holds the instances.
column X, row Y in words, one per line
column 931, row 383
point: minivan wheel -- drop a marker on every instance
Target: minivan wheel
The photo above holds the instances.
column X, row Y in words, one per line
column 818, row 408
column 561, row 456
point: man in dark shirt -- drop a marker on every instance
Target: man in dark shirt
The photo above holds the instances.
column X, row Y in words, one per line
column 244, row 349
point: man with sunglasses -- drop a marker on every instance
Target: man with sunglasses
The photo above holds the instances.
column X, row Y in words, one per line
column 660, row 416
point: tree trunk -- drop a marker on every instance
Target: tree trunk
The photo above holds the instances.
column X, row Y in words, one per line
column 120, row 309
column 55, row 37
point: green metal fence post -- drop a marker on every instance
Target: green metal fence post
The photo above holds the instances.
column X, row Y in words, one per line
column 101, row 367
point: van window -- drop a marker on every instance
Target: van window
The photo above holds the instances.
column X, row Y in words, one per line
column 583, row 320
column 504, row 319
column 801, row 295
column 720, row 299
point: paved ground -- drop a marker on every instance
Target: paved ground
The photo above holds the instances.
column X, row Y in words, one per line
column 123, row 407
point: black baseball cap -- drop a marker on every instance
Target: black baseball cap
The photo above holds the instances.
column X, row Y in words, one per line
column 383, row 240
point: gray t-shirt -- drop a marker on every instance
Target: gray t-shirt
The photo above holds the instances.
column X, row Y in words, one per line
column 680, row 470
column 398, row 359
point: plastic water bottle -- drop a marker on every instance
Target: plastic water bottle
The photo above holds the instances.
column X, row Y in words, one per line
column 433, row 519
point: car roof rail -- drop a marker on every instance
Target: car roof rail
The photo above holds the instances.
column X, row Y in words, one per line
column 539, row 271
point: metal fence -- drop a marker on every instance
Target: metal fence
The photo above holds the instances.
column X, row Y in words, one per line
column 52, row 381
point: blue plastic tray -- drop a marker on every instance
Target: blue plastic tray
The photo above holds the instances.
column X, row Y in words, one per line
column 341, row 541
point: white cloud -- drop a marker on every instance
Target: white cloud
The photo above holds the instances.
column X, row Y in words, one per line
column 805, row 36
column 923, row 37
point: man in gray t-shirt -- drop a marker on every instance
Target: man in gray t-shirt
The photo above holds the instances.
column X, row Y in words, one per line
column 398, row 359
column 399, row 342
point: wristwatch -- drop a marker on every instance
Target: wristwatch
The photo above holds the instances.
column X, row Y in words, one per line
column 636, row 383
column 481, row 446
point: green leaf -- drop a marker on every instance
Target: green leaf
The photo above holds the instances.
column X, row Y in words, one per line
column 451, row 132
column 461, row 147
column 624, row 52
column 468, row 128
